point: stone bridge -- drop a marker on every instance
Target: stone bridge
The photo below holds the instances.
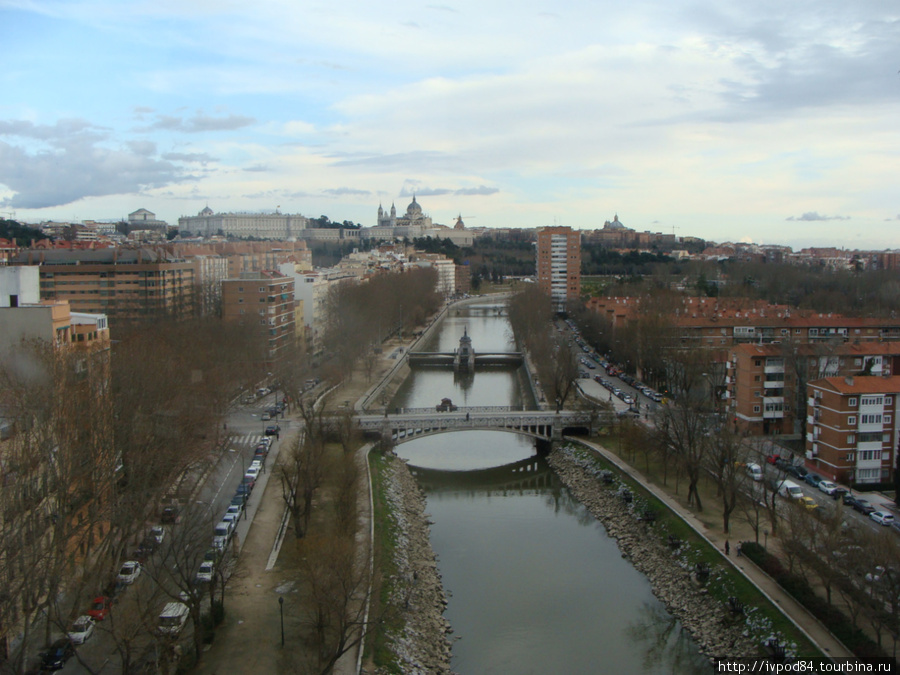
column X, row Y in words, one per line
column 410, row 423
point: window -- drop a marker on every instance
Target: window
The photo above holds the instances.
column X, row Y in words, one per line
column 756, row 378
column 888, row 419
column 849, row 456
column 756, row 408
column 870, row 419
column 851, row 439
column 889, row 400
column 851, row 402
column 851, row 420
column 857, row 362
column 240, row 300
column 757, row 394
column 871, row 400
column 262, row 289
column 240, row 289
column 813, row 332
column 757, row 362
column 784, row 331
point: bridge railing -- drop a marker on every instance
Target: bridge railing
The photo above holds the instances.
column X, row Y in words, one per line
column 468, row 409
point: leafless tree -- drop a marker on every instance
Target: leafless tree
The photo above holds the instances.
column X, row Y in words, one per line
column 723, row 462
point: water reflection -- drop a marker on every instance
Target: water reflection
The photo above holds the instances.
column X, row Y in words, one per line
column 665, row 644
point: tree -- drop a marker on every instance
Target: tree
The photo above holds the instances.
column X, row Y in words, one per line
column 684, row 425
column 338, row 586
column 301, row 472
column 723, row 458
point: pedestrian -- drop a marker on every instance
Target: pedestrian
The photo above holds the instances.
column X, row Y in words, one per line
column 467, row 417
column 739, row 550
column 727, row 548
column 277, row 435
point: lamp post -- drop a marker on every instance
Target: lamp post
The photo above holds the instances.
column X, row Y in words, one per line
column 281, row 611
column 766, row 533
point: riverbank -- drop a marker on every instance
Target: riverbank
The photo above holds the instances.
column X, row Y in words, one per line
column 716, row 630
column 415, row 630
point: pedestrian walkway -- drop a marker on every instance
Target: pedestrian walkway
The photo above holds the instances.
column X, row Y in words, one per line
column 794, row 611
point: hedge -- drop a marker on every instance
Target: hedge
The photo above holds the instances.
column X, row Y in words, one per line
column 837, row 622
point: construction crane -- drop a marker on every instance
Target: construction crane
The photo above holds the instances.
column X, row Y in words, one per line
column 459, row 219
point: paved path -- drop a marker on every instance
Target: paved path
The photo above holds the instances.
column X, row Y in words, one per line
column 795, row 612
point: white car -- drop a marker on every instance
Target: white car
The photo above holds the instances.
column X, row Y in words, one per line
column 205, row 573
column 130, row 571
column 827, row 487
column 252, row 471
column 158, row 532
column 81, row 630
column 882, row 517
column 236, row 509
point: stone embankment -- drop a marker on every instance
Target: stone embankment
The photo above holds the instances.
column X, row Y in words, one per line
column 715, row 630
column 423, row 645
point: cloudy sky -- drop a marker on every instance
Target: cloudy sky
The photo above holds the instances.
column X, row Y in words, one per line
column 775, row 121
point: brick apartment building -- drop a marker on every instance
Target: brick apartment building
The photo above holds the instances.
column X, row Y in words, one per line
column 851, row 428
column 559, row 264
column 764, row 393
column 129, row 284
column 264, row 299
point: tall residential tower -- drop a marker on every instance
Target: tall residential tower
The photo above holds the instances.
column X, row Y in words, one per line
column 559, row 264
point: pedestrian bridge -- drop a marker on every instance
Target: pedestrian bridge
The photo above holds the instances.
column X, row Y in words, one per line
column 407, row 424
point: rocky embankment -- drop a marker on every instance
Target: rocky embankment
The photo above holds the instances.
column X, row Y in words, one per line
column 715, row 630
column 423, row 646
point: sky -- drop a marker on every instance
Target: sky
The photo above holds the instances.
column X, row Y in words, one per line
column 775, row 121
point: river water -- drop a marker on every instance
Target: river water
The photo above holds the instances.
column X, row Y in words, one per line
column 535, row 585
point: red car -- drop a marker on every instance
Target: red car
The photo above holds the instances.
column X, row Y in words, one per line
column 100, row 608
column 773, row 459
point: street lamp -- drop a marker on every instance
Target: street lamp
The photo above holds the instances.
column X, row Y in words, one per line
column 766, row 533
column 281, row 611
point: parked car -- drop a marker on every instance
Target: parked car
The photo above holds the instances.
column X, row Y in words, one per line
column 882, row 517
column 205, row 573
column 827, row 487
column 129, row 572
column 813, row 479
column 266, row 416
column 272, row 429
column 158, row 533
column 100, row 607
column 252, row 471
column 170, row 515
column 772, row 459
column 82, row 629
column 56, row 656
column 861, row 505
column 796, row 471
column 839, row 492
column 808, row 503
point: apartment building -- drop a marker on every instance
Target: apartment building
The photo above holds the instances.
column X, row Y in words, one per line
column 125, row 284
column 559, row 264
column 264, row 299
column 765, row 383
column 851, row 428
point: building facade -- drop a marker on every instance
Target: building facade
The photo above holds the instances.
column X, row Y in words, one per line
column 559, row 264
column 265, row 300
column 276, row 225
column 765, row 383
column 132, row 284
column 851, row 428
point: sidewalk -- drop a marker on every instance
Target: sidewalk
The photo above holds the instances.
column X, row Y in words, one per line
column 795, row 612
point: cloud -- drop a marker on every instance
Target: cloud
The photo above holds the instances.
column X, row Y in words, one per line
column 814, row 215
column 145, row 148
column 200, row 157
column 64, row 175
column 257, row 168
column 343, row 191
column 415, row 190
column 480, row 190
column 199, row 123
column 57, row 164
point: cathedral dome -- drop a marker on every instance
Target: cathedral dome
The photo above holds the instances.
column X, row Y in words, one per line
column 413, row 208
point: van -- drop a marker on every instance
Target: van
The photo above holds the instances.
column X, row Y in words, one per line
column 789, row 490
column 755, row 472
column 172, row 619
column 224, row 529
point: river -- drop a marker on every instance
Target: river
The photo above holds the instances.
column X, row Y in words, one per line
column 535, row 585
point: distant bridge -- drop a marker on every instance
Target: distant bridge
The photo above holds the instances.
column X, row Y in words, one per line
column 411, row 423
column 448, row 359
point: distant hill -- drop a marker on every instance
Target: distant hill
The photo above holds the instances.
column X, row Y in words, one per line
column 21, row 234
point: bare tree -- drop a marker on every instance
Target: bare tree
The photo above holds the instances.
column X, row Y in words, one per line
column 338, row 586
column 723, row 460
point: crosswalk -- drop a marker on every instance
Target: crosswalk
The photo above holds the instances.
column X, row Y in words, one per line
column 246, row 439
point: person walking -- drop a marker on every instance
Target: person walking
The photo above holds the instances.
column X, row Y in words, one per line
column 727, row 548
